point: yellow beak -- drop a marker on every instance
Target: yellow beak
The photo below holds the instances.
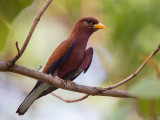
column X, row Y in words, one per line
column 99, row 26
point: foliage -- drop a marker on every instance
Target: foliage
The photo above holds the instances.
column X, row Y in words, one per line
column 9, row 9
column 147, row 90
column 4, row 31
column 135, row 27
column 134, row 34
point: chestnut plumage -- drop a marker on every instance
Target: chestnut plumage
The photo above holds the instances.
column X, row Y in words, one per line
column 68, row 60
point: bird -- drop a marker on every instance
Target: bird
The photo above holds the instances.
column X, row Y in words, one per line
column 68, row 60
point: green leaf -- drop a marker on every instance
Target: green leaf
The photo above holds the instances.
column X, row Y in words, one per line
column 147, row 88
column 4, row 31
column 147, row 91
column 11, row 8
column 148, row 107
column 132, row 21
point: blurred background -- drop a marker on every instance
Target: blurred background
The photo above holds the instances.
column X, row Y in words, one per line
column 132, row 33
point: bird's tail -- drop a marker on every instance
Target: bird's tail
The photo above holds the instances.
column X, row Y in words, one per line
column 33, row 95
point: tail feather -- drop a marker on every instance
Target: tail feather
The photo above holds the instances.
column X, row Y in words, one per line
column 25, row 105
column 31, row 98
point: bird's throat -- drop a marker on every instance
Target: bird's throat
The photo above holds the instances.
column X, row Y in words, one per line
column 81, row 41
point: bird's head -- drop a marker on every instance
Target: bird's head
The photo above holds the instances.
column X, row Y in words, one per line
column 88, row 25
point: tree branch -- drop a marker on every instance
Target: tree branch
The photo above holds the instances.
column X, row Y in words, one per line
column 60, row 83
column 136, row 73
column 34, row 24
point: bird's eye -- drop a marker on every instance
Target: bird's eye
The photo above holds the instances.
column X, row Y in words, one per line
column 89, row 21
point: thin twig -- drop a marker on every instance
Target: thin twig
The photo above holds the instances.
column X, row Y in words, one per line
column 18, row 48
column 13, row 60
column 69, row 101
column 136, row 73
column 39, row 68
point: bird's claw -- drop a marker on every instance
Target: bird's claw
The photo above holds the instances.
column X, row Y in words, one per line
column 73, row 83
column 56, row 77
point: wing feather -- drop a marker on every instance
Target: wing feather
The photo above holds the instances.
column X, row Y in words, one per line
column 58, row 56
column 83, row 66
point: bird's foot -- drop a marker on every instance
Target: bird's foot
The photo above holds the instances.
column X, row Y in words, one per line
column 56, row 77
column 68, row 81
column 72, row 83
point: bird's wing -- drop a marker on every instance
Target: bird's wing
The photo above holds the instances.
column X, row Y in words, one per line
column 88, row 59
column 83, row 66
column 58, row 56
